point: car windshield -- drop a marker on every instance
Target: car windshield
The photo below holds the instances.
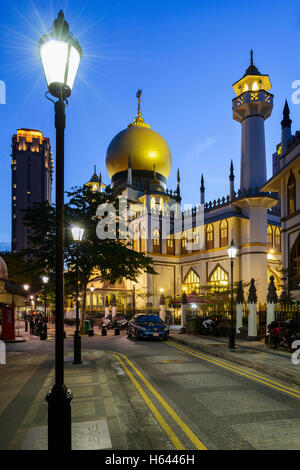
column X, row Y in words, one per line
column 148, row 319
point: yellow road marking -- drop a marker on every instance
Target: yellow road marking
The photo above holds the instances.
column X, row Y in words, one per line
column 237, row 370
column 199, row 445
column 177, row 444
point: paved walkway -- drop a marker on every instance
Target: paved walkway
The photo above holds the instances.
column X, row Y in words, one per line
column 254, row 354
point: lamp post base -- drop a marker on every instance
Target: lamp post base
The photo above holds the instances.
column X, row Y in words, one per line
column 77, row 348
column 59, row 418
column 232, row 339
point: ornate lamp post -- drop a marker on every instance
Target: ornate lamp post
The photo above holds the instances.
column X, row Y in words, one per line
column 77, row 234
column 60, row 55
column 45, row 280
column 232, row 251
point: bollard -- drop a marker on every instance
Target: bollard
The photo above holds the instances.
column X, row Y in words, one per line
column 117, row 331
column 103, row 331
column 91, row 332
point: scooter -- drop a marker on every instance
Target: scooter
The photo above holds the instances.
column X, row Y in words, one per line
column 281, row 336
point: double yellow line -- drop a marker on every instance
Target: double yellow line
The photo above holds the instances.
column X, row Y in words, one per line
column 250, row 375
column 125, row 362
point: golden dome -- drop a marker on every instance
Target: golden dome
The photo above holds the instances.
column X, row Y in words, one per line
column 147, row 149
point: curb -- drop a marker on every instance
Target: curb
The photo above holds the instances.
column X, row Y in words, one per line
column 218, row 352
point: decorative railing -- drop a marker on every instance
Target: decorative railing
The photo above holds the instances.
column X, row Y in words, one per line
column 252, row 96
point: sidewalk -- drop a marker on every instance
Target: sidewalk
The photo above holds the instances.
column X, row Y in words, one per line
column 254, row 354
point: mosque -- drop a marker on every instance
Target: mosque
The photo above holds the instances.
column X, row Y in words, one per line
column 193, row 257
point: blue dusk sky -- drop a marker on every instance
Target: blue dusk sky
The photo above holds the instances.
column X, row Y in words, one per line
column 184, row 54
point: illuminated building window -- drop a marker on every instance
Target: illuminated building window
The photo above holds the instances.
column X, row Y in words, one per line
column 143, row 241
column 170, row 245
column 295, row 266
column 255, row 86
column 14, row 186
column 183, row 243
column 191, row 282
column 218, row 279
column 209, row 237
column 277, row 239
column 153, row 203
column 291, row 194
column 245, row 87
column 224, row 233
column 136, row 239
column 94, row 187
column 279, row 150
column 161, row 204
column 270, row 236
column 156, row 241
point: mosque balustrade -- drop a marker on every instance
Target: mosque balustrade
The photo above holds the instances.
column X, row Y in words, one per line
column 251, row 96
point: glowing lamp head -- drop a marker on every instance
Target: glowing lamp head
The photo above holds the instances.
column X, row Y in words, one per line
column 45, row 279
column 26, row 287
column 60, row 54
column 92, row 288
column 232, row 250
column 77, row 233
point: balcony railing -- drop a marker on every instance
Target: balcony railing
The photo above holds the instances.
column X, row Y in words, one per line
column 252, row 96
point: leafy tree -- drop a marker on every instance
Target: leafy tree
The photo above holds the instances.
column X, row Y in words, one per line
column 113, row 259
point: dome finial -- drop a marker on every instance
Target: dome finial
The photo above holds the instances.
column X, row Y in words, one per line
column 139, row 120
column 251, row 57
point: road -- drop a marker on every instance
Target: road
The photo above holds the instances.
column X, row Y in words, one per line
column 151, row 394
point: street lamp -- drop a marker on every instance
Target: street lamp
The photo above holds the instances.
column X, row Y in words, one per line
column 60, row 55
column 45, row 280
column 232, row 251
column 77, row 233
column 26, row 289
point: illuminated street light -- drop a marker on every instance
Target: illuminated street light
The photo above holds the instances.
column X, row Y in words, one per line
column 77, row 234
column 60, row 55
column 232, row 252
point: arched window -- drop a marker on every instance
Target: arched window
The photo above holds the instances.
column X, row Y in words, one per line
column 224, row 233
column 295, row 266
column 183, row 243
column 191, row 282
column 277, row 239
column 195, row 240
column 156, row 241
column 270, row 236
column 218, row 279
column 209, row 237
column 291, row 194
column 170, row 245
column 143, row 241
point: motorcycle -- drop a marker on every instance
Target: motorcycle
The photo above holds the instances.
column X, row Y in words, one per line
column 281, row 335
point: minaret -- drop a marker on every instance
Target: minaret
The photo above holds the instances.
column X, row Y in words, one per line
column 231, row 179
column 129, row 172
column 100, row 182
column 202, row 191
column 252, row 106
column 286, row 130
column 178, row 183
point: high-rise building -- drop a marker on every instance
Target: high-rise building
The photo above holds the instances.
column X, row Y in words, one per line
column 32, row 167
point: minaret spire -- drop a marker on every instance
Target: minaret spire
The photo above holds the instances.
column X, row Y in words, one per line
column 178, row 183
column 231, row 179
column 286, row 128
column 251, row 57
column 100, row 182
column 202, row 191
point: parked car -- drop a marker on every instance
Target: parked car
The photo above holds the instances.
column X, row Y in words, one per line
column 147, row 326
